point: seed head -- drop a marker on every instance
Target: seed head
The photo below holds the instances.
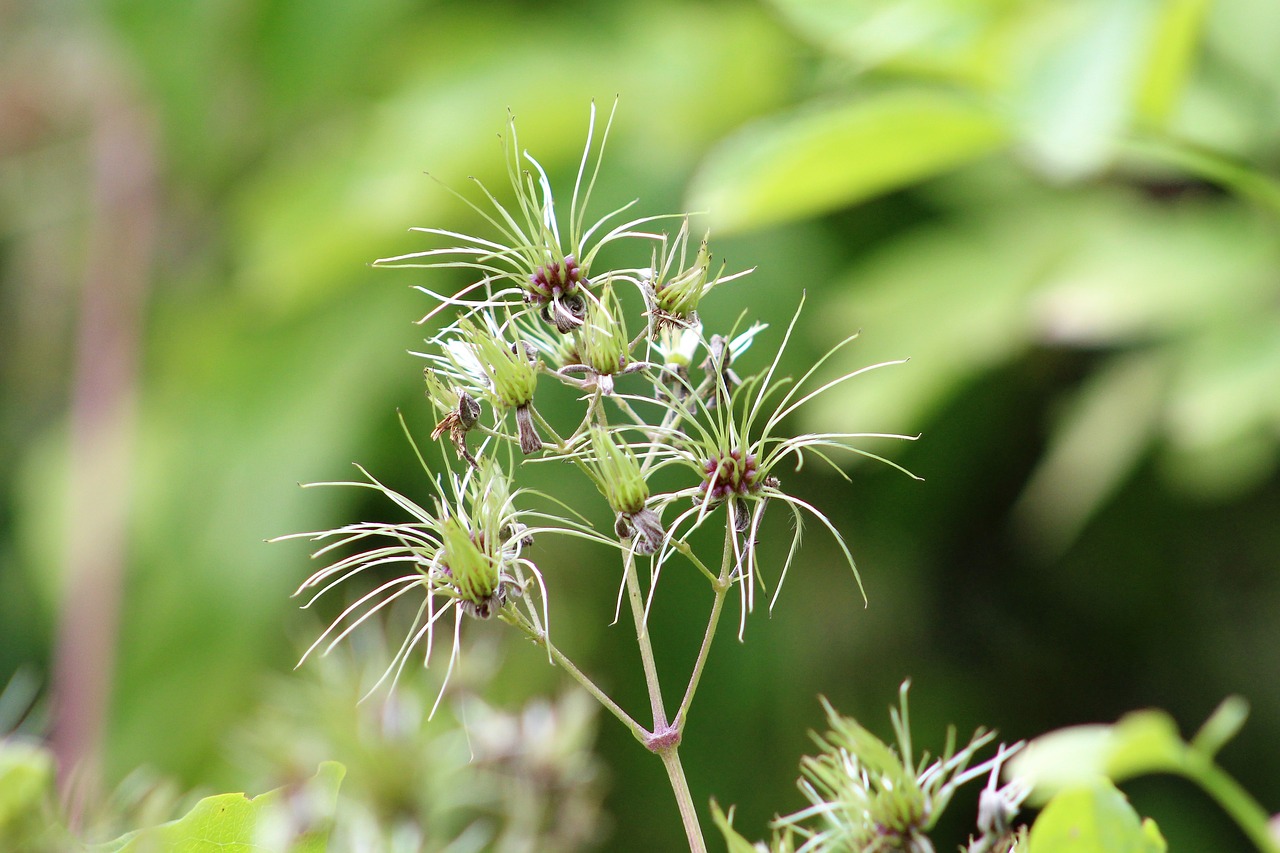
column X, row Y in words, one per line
column 620, row 479
column 732, row 473
column 602, row 340
column 673, row 286
column 472, row 571
column 676, row 298
column 512, row 373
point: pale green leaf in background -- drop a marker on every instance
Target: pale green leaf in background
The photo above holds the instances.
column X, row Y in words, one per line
column 26, row 785
column 1175, row 39
column 1076, row 100
column 293, row 820
column 1093, row 819
column 1141, row 742
column 1108, row 425
column 829, row 156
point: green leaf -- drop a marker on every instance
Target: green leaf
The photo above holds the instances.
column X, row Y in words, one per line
column 1223, row 724
column 732, row 839
column 1097, row 270
column 1063, row 759
column 26, row 775
column 1177, row 34
column 293, row 819
column 835, row 155
column 1141, row 742
column 1076, row 100
column 1154, row 837
column 26, row 799
column 1222, row 415
column 1093, row 819
column 1144, row 742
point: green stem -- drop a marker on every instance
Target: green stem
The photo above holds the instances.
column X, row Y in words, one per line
column 550, row 430
column 684, row 549
column 642, row 640
column 669, row 751
column 638, row 731
column 1234, row 800
column 664, row 740
column 625, row 408
column 684, row 799
column 721, row 587
column 563, row 449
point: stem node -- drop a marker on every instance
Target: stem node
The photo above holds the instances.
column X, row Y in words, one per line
column 664, row 738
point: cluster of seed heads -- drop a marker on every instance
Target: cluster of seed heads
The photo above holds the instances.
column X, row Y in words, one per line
column 730, row 474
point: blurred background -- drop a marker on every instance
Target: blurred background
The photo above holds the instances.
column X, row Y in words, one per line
column 1061, row 210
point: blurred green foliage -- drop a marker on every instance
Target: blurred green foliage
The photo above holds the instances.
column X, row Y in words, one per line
column 1093, row 818
column 297, row 820
column 1061, row 211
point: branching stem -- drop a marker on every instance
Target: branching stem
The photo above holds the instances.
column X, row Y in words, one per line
column 721, row 587
column 1252, row 818
column 517, row 619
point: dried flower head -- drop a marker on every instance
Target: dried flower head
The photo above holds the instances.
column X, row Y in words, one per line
column 459, row 409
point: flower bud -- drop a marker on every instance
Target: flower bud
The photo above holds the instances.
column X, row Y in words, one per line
column 556, row 288
column 553, row 280
column 728, row 474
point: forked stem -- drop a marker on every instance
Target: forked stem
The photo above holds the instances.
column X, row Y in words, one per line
column 665, row 740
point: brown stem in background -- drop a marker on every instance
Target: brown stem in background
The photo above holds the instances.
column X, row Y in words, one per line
column 118, row 259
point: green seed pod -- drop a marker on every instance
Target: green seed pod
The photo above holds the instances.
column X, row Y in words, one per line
column 473, row 572
column 443, row 397
column 512, row 374
column 602, row 339
column 621, row 482
column 677, row 297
